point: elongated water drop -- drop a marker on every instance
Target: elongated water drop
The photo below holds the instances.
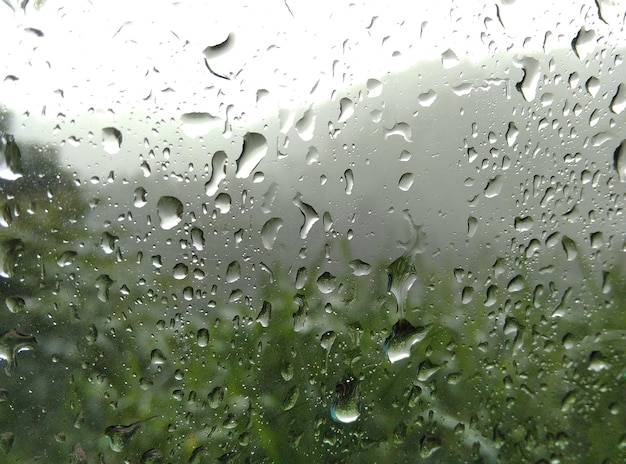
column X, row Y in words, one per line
column 11, row 343
column 346, row 405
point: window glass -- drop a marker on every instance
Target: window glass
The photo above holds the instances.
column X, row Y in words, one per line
column 294, row 231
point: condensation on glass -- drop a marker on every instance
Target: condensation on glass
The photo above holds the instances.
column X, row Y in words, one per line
column 290, row 231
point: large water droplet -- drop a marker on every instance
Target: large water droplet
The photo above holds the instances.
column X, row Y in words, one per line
column 218, row 172
column 403, row 336
column 346, row 109
column 111, row 140
column 346, row 405
column 253, row 151
column 10, row 158
column 119, row 435
column 199, row 124
column 170, row 212
column 10, row 250
column 618, row 103
column 269, row 232
column 584, row 43
column 528, row 85
column 326, row 283
column 11, row 343
column 305, row 127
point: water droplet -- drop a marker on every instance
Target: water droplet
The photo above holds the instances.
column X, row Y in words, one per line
column 291, row 398
column 305, row 127
column 139, row 200
column 202, row 337
column 10, row 158
column 180, row 271
column 199, row 124
column 449, row 59
column 265, row 314
column 346, row 109
column 10, row 250
column 15, row 304
column 326, row 283
column 233, row 272
column 107, row 242
column 402, row 129
column 516, row 284
column 103, row 284
column 197, row 238
column 348, row 177
column 111, row 140
column 403, row 336
column 223, row 202
column 253, row 151
column 511, row 134
column 593, row 86
column 119, row 435
column 360, row 268
column 571, row 251
column 494, row 186
column 472, row 226
column 618, row 103
column 269, row 232
column 215, row 397
column 346, row 405
column 157, row 358
column 310, row 215
column 406, row 181
column 619, row 161
column 374, row 88
column 170, row 212
column 528, row 85
column 427, row 99
column 152, row 456
column 584, row 43
column 11, row 343
column 218, row 172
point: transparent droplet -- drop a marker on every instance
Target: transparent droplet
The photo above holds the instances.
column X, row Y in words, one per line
column 13, row 342
column 618, row 103
column 253, row 151
column 152, row 456
column 305, row 127
column 170, row 212
column 406, row 181
column 119, row 435
column 265, row 314
column 269, row 232
column 348, row 177
column 103, row 284
column 218, row 172
column 10, row 250
column 571, row 251
column 180, row 271
column 139, row 200
column 157, row 358
column 326, row 283
column 199, row 124
column 346, row 404
column 360, row 268
column 310, row 215
column 427, row 99
column 511, row 134
column 15, row 304
column 223, row 202
column 449, row 59
column 528, row 85
column 584, row 43
column 374, row 88
column 291, row 398
column 346, row 109
column 402, row 129
column 403, row 336
column 197, row 238
column 111, row 140
column 10, row 158
column 494, row 186
column 233, row 272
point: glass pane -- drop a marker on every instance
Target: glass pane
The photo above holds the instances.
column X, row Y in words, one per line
column 290, row 231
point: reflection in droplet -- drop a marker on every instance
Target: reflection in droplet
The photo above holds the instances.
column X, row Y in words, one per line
column 403, row 336
column 269, row 232
column 10, row 158
column 346, row 405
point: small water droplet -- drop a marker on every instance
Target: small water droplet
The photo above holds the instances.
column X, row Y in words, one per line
column 427, row 99
column 326, row 283
column 119, row 435
column 618, row 103
column 346, row 109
